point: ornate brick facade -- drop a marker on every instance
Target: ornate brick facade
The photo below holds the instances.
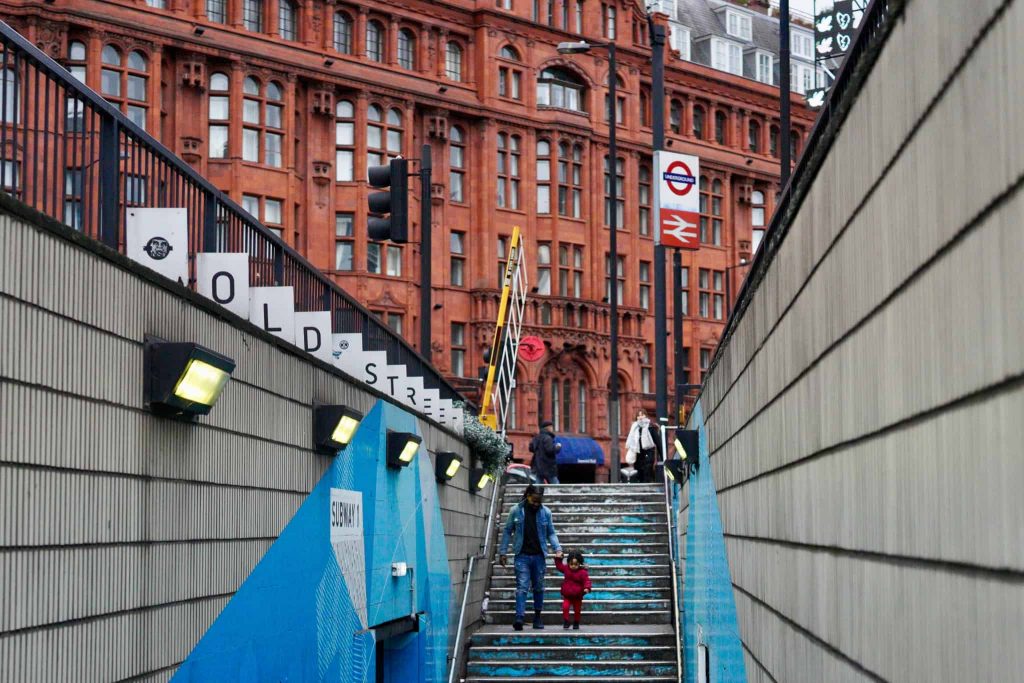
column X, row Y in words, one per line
column 283, row 104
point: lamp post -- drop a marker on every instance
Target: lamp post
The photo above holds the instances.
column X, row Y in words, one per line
column 728, row 298
column 581, row 47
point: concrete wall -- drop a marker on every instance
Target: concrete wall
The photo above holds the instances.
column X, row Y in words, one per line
column 123, row 536
column 865, row 419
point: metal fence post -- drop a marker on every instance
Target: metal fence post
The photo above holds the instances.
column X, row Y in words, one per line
column 109, row 184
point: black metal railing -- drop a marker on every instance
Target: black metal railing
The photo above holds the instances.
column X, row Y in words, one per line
column 874, row 29
column 68, row 153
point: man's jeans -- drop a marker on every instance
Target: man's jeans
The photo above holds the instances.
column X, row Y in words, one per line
column 529, row 571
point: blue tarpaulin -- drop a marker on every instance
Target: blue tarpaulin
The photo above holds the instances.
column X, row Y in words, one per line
column 579, row 450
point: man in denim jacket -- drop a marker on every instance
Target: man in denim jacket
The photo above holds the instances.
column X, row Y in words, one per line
column 530, row 530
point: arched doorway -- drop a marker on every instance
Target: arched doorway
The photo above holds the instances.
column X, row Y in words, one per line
column 564, row 398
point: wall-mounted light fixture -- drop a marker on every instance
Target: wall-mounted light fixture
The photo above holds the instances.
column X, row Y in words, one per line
column 446, row 465
column 687, row 445
column 402, row 448
column 328, row 62
column 198, row 30
column 183, row 379
column 334, row 426
column 675, row 470
column 478, row 479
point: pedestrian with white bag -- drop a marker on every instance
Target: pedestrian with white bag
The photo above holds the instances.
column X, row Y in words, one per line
column 643, row 446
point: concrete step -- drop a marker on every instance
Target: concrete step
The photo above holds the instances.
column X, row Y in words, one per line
column 607, row 516
column 569, row 679
column 551, row 489
column 582, row 497
column 590, row 605
column 605, row 548
column 552, row 591
column 600, row 582
column 553, row 615
column 585, row 670
column 578, row 653
column 593, row 635
column 597, row 568
column 576, row 537
column 617, row 507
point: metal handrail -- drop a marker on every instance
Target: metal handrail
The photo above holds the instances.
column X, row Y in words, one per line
column 110, row 136
column 875, row 26
column 672, row 550
column 456, row 655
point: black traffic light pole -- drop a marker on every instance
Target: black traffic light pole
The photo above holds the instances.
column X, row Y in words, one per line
column 426, row 244
column 660, row 313
column 784, row 160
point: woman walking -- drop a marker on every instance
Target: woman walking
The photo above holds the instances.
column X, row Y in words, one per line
column 644, row 442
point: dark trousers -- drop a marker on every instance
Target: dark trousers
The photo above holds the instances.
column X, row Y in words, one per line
column 577, row 606
column 645, row 465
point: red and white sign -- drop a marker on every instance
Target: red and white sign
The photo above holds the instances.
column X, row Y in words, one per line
column 679, row 229
column 677, row 200
column 531, row 348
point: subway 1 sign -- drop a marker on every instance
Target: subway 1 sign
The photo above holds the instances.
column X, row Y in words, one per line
column 677, row 200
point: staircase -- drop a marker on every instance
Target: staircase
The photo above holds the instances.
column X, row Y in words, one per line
column 626, row 629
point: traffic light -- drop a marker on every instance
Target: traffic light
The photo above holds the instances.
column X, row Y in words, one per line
column 392, row 205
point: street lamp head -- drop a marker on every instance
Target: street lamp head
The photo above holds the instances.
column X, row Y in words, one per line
column 573, row 48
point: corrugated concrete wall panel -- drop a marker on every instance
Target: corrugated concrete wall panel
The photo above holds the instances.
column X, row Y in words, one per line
column 121, row 535
column 864, row 416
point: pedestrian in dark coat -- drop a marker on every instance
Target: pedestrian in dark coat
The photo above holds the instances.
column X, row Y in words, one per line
column 645, row 441
column 545, row 451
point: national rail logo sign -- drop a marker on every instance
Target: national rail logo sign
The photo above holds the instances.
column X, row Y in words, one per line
column 677, row 198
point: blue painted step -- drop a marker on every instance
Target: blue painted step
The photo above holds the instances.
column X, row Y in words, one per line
column 571, row 668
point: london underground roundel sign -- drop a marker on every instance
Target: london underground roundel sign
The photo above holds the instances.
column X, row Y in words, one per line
column 678, row 205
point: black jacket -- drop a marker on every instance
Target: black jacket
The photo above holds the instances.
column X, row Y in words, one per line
column 543, row 448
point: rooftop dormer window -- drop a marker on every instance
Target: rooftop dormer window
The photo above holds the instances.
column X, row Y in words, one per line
column 737, row 25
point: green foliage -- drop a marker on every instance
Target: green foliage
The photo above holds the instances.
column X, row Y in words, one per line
column 485, row 445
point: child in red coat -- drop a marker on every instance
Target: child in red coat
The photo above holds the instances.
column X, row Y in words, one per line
column 575, row 585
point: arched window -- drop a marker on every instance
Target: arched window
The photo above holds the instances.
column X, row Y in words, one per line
column 756, row 219
column 125, row 82
column 383, row 135
column 773, row 141
column 545, row 314
column 262, row 117
column 557, row 87
column 286, row 19
column 453, row 61
column 645, row 109
column 75, row 121
column 375, row 41
column 645, row 200
column 508, row 171
column 794, row 145
column 343, row 33
column 543, row 176
column 344, row 141
column 456, row 164
column 720, row 120
column 754, row 136
column 406, row 49
column 675, row 116
column 510, row 78
column 220, row 108
column 698, row 123
column 217, row 11
column 252, row 15
column 620, row 193
column 556, row 404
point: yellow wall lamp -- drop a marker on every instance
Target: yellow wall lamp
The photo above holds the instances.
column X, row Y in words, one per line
column 334, row 426
column 182, row 380
column 402, row 447
column 446, row 465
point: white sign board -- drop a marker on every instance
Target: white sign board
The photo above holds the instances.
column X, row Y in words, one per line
column 677, row 200
column 431, row 397
column 313, row 333
column 347, row 538
column 225, row 279
column 394, row 381
column 372, row 364
column 273, row 310
column 345, row 348
column 158, row 239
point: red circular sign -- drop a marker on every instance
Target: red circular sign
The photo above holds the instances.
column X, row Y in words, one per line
column 672, row 183
column 531, row 348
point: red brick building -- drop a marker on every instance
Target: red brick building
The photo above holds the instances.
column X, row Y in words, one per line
column 284, row 103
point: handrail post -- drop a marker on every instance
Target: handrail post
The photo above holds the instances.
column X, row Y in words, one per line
column 210, row 223
column 109, row 184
